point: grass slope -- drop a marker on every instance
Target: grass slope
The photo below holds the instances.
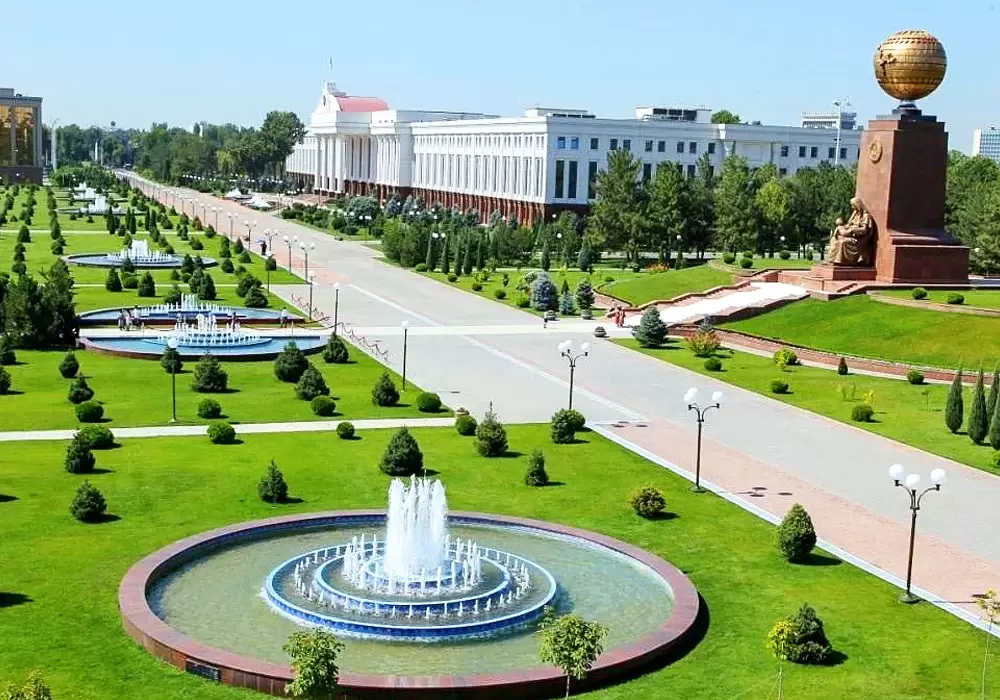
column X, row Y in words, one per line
column 984, row 298
column 658, row 286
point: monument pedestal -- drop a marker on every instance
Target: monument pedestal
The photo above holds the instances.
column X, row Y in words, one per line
column 901, row 180
column 842, row 273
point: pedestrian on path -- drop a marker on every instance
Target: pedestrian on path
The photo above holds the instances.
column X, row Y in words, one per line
column 283, row 319
column 263, row 248
column 121, row 319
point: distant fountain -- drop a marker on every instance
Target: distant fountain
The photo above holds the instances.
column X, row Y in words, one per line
column 189, row 304
column 139, row 253
column 206, row 333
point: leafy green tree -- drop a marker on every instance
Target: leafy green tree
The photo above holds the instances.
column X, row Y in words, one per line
column 571, row 644
column 804, row 641
column 113, row 282
column 668, row 209
column 618, row 214
column 170, row 361
column 491, row 436
column 314, row 656
column 651, row 331
column 954, row 409
column 33, row 689
column 272, row 487
column 724, row 116
column 772, row 201
column 736, row 212
column 979, row 418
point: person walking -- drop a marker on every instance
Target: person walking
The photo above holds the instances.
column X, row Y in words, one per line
column 121, row 319
column 283, row 319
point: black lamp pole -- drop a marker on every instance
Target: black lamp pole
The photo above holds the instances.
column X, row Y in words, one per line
column 915, row 499
column 573, row 358
column 700, row 412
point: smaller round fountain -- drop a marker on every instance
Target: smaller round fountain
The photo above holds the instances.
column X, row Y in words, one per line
column 187, row 309
column 206, row 333
column 138, row 253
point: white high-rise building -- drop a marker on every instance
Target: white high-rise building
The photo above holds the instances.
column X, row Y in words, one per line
column 986, row 142
column 532, row 165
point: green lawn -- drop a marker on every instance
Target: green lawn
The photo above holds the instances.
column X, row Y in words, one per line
column 58, row 609
column 90, row 298
column 137, row 392
column 911, row 414
column 858, row 325
column 761, row 263
column 984, row 298
column 657, row 286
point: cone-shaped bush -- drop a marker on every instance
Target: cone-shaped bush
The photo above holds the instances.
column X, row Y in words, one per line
column 79, row 458
column 69, row 366
column 536, row 474
column 651, row 331
column 796, row 535
column 272, row 488
column 385, row 393
column 206, row 290
column 402, row 455
column 991, row 397
column 113, row 283
column 209, row 377
column 147, row 287
column 290, row 363
column 994, row 432
column 491, row 437
column 979, row 419
column 88, row 505
column 80, row 391
column 954, row 409
column 7, row 354
column 170, row 361
column 842, row 367
column 5, row 381
column 335, row 351
column 311, row 384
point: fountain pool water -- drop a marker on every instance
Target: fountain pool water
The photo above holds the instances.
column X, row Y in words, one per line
column 206, row 333
column 138, row 253
column 188, row 309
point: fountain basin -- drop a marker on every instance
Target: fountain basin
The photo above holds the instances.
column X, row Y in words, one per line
column 151, row 347
column 151, row 317
column 195, row 604
column 164, row 262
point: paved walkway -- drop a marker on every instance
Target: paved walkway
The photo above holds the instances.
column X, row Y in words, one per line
column 241, row 428
column 526, row 379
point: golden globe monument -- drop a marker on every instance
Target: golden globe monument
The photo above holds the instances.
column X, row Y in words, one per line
column 902, row 172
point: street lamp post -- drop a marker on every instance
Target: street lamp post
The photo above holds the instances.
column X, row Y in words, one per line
column 406, row 337
column 305, row 247
column 689, row 398
column 310, row 279
column 172, row 344
column 232, row 217
column 839, row 104
column 566, row 350
column 249, row 225
column 911, row 484
column 336, row 306
column 288, row 243
column 216, row 210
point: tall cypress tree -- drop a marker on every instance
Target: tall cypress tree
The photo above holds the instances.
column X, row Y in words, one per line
column 994, row 434
column 954, row 409
column 979, row 419
column 991, row 398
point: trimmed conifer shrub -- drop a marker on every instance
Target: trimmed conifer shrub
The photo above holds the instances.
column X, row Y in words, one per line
column 147, row 287
column 88, row 504
column 335, row 350
column 5, row 381
column 323, row 405
column 796, row 535
column 954, row 408
column 385, row 393
column 647, row 501
column 255, row 298
column 272, row 487
column 402, row 456
column 311, row 384
column 491, row 436
column 345, row 430
column 466, row 425
column 206, row 290
column 79, row 459
column 7, row 354
column 842, row 367
column 113, row 283
column 89, row 412
column 536, row 475
column 806, row 641
column 979, row 420
column 95, row 437
column 991, row 397
column 69, row 366
column 994, row 432
column 221, row 433
column 564, row 424
column 290, row 363
column 651, row 331
column 209, row 377
column 80, row 391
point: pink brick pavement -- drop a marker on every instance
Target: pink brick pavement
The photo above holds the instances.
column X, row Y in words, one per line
column 942, row 569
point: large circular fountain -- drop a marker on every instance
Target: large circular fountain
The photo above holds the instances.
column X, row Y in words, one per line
column 427, row 600
column 187, row 309
column 139, row 254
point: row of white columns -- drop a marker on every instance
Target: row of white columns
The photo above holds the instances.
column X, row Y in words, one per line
column 490, row 175
column 340, row 157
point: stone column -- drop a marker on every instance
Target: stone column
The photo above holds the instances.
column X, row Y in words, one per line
column 339, row 165
column 315, row 167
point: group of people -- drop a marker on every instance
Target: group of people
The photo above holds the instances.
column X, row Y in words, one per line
column 129, row 318
column 618, row 314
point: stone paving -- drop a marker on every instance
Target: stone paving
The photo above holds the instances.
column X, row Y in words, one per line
column 477, row 362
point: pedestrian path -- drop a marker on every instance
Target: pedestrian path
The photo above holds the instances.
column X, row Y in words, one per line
column 756, row 294
column 241, row 429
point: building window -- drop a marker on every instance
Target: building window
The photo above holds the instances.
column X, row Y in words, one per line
column 802, row 151
column 711, row 171
column 661, row 146
column 711, row 148
column 614, row 144
column 574, row 143
column 831, row 152
column 649, row 145
column 680, row 146
column 647, row 171
column 571, row 189
column 782, row 171
column 693, row 147
column 784, row 151
column 692, row 171
column 627, row 144
column 814, row 152
column 561, row 142
column 843, row 154
column 591, row 179
column 595, row 144
column 560, row 176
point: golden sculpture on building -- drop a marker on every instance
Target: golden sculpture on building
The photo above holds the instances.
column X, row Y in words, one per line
column 909, row 65
column 853, row 243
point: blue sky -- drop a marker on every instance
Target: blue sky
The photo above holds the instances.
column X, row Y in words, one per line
column 228, row 60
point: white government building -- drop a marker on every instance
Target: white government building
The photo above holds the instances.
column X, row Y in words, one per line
column 529, row 166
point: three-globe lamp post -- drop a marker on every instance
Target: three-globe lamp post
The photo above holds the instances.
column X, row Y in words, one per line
column 336, row 306
column 566, row 350
column 689, row 398
column 911, row 484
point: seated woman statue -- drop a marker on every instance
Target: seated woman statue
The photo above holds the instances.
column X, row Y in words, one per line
column 852, row 243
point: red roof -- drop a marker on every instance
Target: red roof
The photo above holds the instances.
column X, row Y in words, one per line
column 361, row 104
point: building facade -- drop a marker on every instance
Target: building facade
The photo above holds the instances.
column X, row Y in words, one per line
column 21, row 157
column 986, row 142
column 828, row 120
column 529, row 166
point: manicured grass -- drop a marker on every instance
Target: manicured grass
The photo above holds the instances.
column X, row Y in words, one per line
column 760, row 263
column 860, row 326
column 137, row 392
column 911, row 414
column 90, row 298
column 984, row 298
column 59, row 609
column 657, row 286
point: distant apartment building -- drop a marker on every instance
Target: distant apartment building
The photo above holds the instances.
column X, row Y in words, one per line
column 20, row 137
column 986, row 142
column 828, row 120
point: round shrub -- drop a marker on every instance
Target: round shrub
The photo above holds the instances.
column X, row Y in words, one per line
column 565, row 424
column 779, row 386
column 170, row 361
column 452, row 277
column 796, row 535
column 7, row 354
column 311, row 384
column 647, row 501
column 918, row 293
column 385, row 393
column 323, row 405
column 345, row 430
column 956, row 298
column 79, row 459
column 88, row 504
column 95, row 437
column 272, row 487
column 729, row 258
column 523, row 301
column 80, row 391
column 209, row 408
column 255, row 299
column 500, row 293
column 465, row 425
column 221, row 433
column 227, row 266
column 89, row 412
column 536, row 475
column 786, row 357
column 421, row 267
column 746, row 263
column 129, row 280
column 402, row 455
column 428, row 402
column 915, row 377
column 5, row 381
column 245, row 257
column 784, row 255
column 842, row 369
column 69, row 365
column 862, row 413
column 713, row 364
column 209, row 377
column 491, row 436
column 270, row 264
column 335, row 351
column 477, row 287
column 803, row 640
column 290, row 364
